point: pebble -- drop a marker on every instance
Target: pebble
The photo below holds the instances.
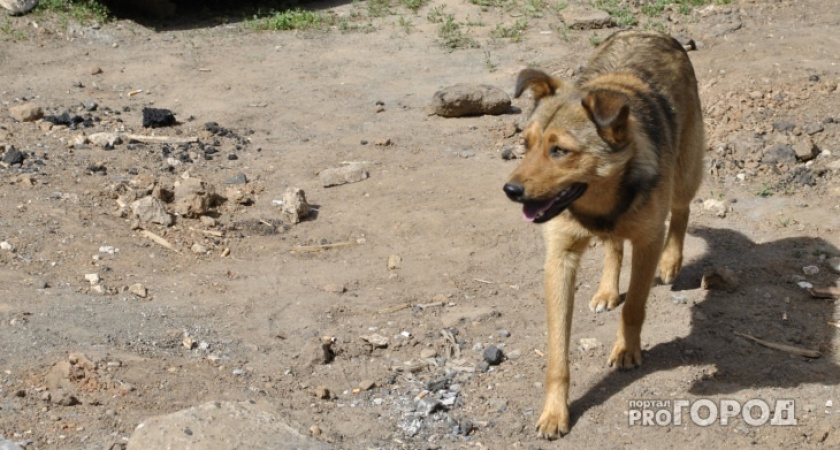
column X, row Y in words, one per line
column 13, row 156
column 138, row 290
column 351, row 173
column 805, row 285
column 720, row 278
column 427, row 353
column 814, row 128
column 493, row 355
column 394, row 262
column 504, row 333
column 834, row 263
column 367, row 385
column 335, row 288
column 679, row 299
column 382, row 142
column 314, row 430
column 41, row 283
column 470, row 100
column 586, row 344
column 27, row 112
column 198, row 248
column 810, row 270
column 294, row 206
column 95, row 70
column 427, row 405
column 93, row 278
column 7, row 246
column 239, row 178
column 90, row 105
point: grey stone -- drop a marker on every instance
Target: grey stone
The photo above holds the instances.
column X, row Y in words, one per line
column 239, row 178
column 745, row 144
column 221, row 425
column 427, row 405
column 351, row 173
column 493, row 355
column 783, row 126
column 585, row 18
column 470, row 100
column 722, row 29
column 150, row 209
column 687, row 43
column 13, row 156
column 295, row 207
column 90, row 104
column 780, row 153
column 814, row 128
column 18, row 7
column 11, row 445
column 105, row 139
column 27, row 112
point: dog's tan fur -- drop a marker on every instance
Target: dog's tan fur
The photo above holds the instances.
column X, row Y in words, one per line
column 630, row 129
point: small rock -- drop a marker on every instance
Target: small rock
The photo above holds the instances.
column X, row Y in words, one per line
column 586, row 18
column 493, row 355
column 16, row 8
column 504, row 333
column 294, row 206
column 470, row 100
column 198, row 248
column 158, row 117
column 315, row 431
column 810, row 270
column 150, row 209
column 322, row 392
column 93, row 278
column 427, row 353
column 193, row 197
column 394, row 262
column 722, row 29
column 508, row 152
column 320, row 352
column 27, row 112
column 779, row 153
column 367, row 385
column 7, row 246
column 587, row 344
column 239, row 178
column 382, row 142
column 335, row 288
column 720, row 278
column 427, row 405
column 351, row 173
column 138, row 290
column 63, row 398
column 834, row 263
column 717, row 206
column 13, row 156
column 783, row 126
column 805, row 149
column 41, row 283
column 482, row 366
column 207, row 221
column 377, row 340
column 105, row 139
column 90, row 105
column 814, row 128
column 95, row 70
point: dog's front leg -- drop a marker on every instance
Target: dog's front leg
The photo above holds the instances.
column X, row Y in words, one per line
column 562, row 261
column 627, row 351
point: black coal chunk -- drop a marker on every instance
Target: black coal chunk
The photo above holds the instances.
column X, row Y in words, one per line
column 158, row 117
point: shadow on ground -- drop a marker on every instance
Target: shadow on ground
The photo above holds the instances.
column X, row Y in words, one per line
column 767, row 291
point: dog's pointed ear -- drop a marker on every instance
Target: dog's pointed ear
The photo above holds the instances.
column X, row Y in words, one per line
column 609, row 111
column 540, row 83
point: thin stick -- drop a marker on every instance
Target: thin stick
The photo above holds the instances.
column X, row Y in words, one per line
column 159, row 139
column 782, row 347
column 318, row 248
column 834, row 323
column 208, row 232
column 159, row 240
column 395, row 308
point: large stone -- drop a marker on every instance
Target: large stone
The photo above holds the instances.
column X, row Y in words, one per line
column 470, row 100
column 779, row 154
column 27, row 112
column 17, row 7
column 805, row 149
column 150, row 209
column 584, row 18
column 193, row 197
column 217, row 425
column 351, row 173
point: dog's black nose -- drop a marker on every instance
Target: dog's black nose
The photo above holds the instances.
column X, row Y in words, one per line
column 514, row 191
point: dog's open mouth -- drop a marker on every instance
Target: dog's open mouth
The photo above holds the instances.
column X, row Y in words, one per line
column 539, row 212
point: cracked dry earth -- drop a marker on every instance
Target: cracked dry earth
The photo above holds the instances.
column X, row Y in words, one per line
column 102, row 327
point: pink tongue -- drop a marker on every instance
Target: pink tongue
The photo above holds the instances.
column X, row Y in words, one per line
column 530, row 211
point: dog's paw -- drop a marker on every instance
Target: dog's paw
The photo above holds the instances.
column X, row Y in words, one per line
column 602, row 301
column 669, row 267
column 554, row 422
column 624, row 356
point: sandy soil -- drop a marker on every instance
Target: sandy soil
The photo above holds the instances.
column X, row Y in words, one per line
column 243, row 318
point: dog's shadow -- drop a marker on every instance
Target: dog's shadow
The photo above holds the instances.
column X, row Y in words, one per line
column 768, row 304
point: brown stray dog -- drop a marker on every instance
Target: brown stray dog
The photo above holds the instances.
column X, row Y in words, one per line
column 609, row 157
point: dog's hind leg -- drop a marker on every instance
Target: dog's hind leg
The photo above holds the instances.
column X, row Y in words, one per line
column 562, row 260
column 607, row 297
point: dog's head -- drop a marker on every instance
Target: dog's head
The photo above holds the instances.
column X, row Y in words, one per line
column 574, row 140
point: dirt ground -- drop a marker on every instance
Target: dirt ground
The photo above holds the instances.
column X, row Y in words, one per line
column 241, row 315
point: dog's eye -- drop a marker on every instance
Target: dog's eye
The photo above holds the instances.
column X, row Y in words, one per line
column 557, row 152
